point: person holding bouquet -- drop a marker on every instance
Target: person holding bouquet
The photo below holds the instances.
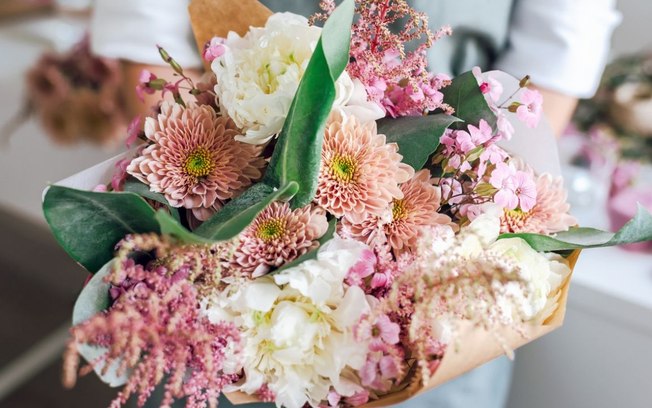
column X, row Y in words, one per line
column 521, row 37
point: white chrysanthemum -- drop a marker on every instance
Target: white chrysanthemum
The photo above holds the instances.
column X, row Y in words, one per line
column 258, row 75
column 297, row 328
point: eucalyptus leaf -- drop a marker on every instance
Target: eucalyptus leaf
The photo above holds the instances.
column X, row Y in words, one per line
column 240, row 212
column 638, row 229
column 88, row 225
column 297, row 155
column 94, row 299
column 470, row 105
column 134, row 186
column 170, row 226
column 332, row 226
column 417, row 137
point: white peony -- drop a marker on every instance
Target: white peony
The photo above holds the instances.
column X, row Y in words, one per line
column 297, row 327
column 544, row 274
column 258, row 75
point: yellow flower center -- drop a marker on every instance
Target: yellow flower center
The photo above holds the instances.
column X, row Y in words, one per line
column 399, row 212
column 343, row 168
column 199, row 163
column 271, row 229
column 517, row 215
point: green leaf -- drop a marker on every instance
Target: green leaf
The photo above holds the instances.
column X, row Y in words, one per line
column 417, row 136
column 332, row 225
column 171, row 226
column 88, row 225
column 297, row 155
column 638, row 229
column 134, row 186
column 464, row 95
column 93, row 299
column 239, row 213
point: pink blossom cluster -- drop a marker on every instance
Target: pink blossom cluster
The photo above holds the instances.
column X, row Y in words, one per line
column 169, row 343
column 395, row 79
column 385, row 364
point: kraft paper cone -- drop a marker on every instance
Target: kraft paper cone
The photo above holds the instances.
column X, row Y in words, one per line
column 215, row 18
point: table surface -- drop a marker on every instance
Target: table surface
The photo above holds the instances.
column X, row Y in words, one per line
column 30, row 161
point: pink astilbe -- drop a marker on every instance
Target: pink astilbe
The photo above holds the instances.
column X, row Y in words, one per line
column 446, row 283
column 155, row 331
column 395, row 79
column 194, row 159
column 360, row 173
column 278, row 235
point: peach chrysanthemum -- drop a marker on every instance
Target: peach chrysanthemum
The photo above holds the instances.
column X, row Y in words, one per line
column 549, row 214
column 409, row 215
column 277, row 236
column 194, row 159
column 360, row 173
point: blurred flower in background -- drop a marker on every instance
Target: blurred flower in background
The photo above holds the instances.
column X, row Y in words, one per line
column 76, row 97
column 609, row 145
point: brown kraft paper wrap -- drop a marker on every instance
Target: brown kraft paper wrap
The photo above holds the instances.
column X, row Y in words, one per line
column 473, row 346
column 215, row 18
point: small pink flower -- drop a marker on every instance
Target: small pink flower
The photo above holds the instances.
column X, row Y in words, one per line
column 359, row 398
column 530, row 108
column 385, row 330
column 120, row 174
column 505, row 128
column 214, row 49
column 133, row 130
column 382, row 368
column 364, row 268
column 515, row 188
column 488, row 86
column 143, row 87
column 526, row 190
column 100, row 188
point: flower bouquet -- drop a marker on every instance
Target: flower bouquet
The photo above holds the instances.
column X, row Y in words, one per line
column 320, row 221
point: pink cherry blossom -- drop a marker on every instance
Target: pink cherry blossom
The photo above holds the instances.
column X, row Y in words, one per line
column 213, row 49
column 143, row 87
column 133, row 130
column 530, row 108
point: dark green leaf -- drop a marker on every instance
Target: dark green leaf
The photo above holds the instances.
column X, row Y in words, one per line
column 239, row 213
column 332, row 225
column 469, row 103
column 134, row 186
column 417, row 136
column 297, row 155
column 88, row 225
column 638, row 229
column 170, row 226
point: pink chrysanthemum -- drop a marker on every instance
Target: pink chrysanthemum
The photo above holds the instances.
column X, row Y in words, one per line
column 277, row 236
column 360, row 173
column 194, row 160
column 416, row 210
column 549, row 214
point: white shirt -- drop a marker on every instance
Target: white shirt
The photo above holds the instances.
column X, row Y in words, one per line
column 562, row 44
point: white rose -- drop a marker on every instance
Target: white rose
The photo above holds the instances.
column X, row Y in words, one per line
column 258, row 75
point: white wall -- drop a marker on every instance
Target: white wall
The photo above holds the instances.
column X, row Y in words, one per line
column 635, row 32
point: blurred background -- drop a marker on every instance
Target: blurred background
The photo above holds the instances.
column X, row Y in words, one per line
column 600, row 358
